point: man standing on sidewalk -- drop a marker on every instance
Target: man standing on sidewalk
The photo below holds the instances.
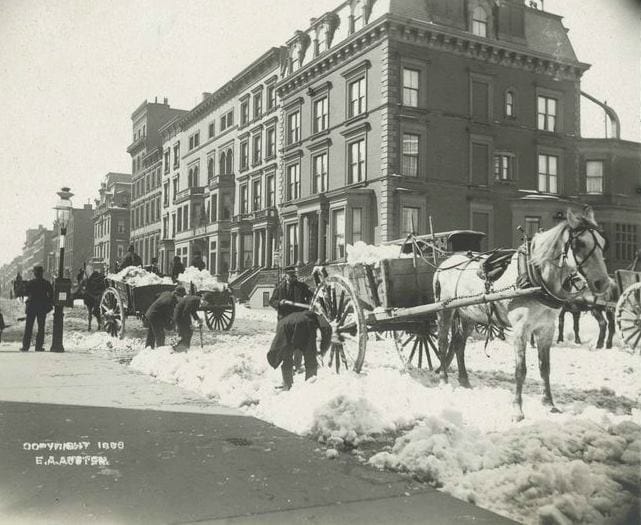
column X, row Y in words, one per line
column 185, row 311
column 159, row 316
column 39, row 294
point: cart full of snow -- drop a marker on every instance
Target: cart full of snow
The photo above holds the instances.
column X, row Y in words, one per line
column 130, row 292
column 220, row 306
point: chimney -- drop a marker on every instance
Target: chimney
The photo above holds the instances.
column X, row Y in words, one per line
column 165, row 101
column 155, row 100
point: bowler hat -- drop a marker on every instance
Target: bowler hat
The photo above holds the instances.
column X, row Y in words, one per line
column 290, row 269
column 180, row 290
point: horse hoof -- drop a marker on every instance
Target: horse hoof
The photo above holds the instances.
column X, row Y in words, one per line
column 464, row 383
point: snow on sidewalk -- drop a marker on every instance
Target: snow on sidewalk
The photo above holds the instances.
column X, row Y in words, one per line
column 580, row 466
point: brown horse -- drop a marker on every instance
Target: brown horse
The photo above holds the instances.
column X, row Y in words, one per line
column 574, row 245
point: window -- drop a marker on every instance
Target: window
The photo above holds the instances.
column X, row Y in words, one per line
column 270, row 183
column 509, row 104
column 210, row 168
column 167, row 155
column 546, row 112
column 338, row 234
column 258, row 105
column 212, row 129
column 213, row 207
column 594, row 176
column 356, row 162
column 320, row 174
column 532, row 226
column 212, row 257
column 356, row 96
column 121, row 227
column 229, row 162
column 244, row 155
column 175, row 187
column 357, row 225
column 321, row 115
column 244, row 199
column 271, row 97
column 410, row 155
column 265, row 299
column 625, row 241
column 186, row 217
column 177, row 155
column 293, row 127
column 410, row 87
column 258, row 149
column 292, row 244
column 194, row 140
column 227, row 120
column 293, row 182
column 271, row 143
column 244, row 112
column 409, row 220
column 257, row 195
column 480, row 163
column 503, row 167
column 480, row 100
column 179, row 222
column 548, row 166
column 479, row 21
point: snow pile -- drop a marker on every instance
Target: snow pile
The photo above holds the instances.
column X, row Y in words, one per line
column 137, row 276
column 580, row 466
column 361, row 253
column 201, row 279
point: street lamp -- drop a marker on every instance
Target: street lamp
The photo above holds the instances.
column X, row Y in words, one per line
column 62, row 286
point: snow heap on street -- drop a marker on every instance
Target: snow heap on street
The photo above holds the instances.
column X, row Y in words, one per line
column 137, row 276
column 361, row 253
column 201, row 279
column 579, row 466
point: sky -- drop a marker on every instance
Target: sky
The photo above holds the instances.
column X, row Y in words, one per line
column 73, row 71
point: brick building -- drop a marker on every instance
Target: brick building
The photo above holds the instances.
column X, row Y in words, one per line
column 111, row 220
column 79, row 245
column 146, row 166
column 36, row 250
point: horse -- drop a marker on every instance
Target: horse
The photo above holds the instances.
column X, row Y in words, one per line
column 603, row 314
column 552, row 261
column 20, row 289
column 90, row 291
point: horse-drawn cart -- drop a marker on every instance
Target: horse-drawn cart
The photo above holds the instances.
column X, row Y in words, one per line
column 393, row 297
column 120, row 300
column 220, row 309
column 628, row 308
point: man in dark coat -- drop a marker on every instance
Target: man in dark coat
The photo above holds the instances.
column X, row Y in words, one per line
column 131, row 259
column 177, row 268
column 290, row 289
column 186, row 310
column 198, row 262
column 39, row 294
column 297, row 332
column 159, row 316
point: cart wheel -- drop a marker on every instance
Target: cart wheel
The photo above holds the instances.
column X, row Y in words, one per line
column 335, row 300
column 112, row 313
column 220, row 317
column 416, row 343
column 628, row 316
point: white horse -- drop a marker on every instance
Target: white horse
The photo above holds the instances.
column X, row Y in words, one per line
column 574, row 245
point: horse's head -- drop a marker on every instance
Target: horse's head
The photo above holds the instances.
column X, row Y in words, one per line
column 586, row 244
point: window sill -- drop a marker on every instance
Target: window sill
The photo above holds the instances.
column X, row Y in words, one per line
column 319, row 134
column 356, row 118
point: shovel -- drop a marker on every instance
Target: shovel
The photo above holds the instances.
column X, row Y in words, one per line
column 200, row 329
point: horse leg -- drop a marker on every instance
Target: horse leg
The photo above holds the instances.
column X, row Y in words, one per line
column 444, row 325
column 561, row 324
column 598, row 315
column 518, row 320
column 544, row 337
column 576, row 318
column 609, row 314
column 458, row 342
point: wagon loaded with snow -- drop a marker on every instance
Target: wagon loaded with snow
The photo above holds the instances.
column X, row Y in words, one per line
column 220, row 307
column 122, row 299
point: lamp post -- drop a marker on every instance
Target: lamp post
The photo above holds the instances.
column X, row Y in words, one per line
column 63, row 213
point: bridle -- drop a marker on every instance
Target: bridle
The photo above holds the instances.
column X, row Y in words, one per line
column 572, row 280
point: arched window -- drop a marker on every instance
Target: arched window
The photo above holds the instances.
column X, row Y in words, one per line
column 509, row 103
column 194, row 176
column 229, row 162
column 479, row 21
column 210, row 169
column 221, row 169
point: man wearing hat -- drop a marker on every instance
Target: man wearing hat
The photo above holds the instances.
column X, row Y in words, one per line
column 186, row 310
column 159, row 316
column 39, row 293
column 131, row 259
column 292, row 290
column 197, row 261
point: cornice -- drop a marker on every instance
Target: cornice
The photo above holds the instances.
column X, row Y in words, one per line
column 321, row 88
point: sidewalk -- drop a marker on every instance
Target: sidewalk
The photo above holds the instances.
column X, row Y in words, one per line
column 183, row 459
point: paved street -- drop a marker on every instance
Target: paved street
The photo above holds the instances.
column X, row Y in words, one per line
column 183, row 459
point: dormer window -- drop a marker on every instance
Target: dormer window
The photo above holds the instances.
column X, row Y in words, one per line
column 297, row 48
column 360, row 14
column 479, row 21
